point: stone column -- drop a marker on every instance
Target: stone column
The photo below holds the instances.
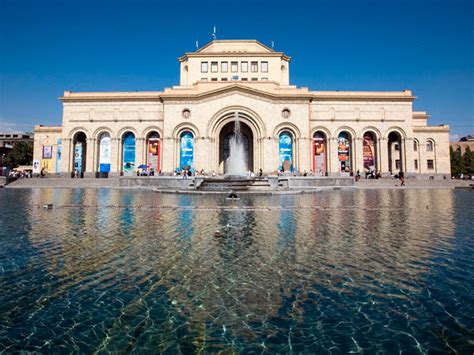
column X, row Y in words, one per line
column 333, row 162
column 67, row 155
column 384, row 157
column 139, row 152
column 90, row 157
column 408, row 157
column 359, row 157
column 304, row 155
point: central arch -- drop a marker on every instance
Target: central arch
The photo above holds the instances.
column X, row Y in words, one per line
column 226, row 133
column 221, row 127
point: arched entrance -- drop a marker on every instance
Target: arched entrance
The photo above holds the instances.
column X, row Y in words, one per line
column 226, row 134
column 153, row 151
column 344, row 152
column 104, row 153
column 395, row 163
column 80, row 153
column 369, row 152
column 320, row 153
column 128, row 153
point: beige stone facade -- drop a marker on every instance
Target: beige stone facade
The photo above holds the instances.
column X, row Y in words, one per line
column 329, row 133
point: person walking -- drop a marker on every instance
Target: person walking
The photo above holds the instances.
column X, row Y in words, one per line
column 401, row 176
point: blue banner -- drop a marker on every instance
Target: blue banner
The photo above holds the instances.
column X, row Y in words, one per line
column 129, row 153
column 186, row 151
column 58, row 155
column 285, row 151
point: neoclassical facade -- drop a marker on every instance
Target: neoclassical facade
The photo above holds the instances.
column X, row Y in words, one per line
column 283, row 127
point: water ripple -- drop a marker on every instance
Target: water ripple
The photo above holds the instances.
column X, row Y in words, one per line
column 129, row 271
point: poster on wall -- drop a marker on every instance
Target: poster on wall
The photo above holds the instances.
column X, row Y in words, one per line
column 368, row 152
column 285, row 152
column 36, row 166
column 186, row 151
column 47, row 165
column 343, row 153
column 104, row 154
column 320, row 155
column 47, row 152
column 129, row 154
column 153, row 153
column 78, row 157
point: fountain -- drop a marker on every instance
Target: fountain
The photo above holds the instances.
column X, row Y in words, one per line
column 236, row 165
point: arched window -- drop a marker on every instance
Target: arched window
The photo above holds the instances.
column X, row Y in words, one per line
column 344, row 152
column 429, row 145
column 154, row 151
column 415, row 145
column 369, row 151
column 105, row 145
column 320, row 153
column 128, row 153
column 285, row 151
column 186, row 150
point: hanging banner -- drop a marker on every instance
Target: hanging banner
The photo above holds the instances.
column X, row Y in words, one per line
column 343, row 153
column 186, row 151
column 285, row 151
column 104, row 154
column 58, row 156
column 78, row 157
column 368, row 152
column 153, row 153
column 320, row 155
column 129, row 154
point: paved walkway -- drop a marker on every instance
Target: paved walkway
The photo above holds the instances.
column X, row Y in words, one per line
column 54, row 182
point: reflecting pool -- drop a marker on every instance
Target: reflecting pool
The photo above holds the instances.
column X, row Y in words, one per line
column 332, row 272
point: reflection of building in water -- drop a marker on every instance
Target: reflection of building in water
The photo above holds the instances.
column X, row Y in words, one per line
column 285, row 247
column 283, row 126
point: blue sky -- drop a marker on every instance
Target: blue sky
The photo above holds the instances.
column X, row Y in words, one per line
column 49, row 46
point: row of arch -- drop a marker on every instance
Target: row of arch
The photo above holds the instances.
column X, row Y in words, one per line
column 287, row 136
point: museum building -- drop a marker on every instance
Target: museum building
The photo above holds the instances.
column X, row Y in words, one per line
column 283, row 127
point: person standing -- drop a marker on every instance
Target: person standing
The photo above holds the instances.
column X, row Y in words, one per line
column 401, row 176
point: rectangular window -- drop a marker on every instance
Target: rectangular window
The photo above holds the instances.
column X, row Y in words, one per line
column 254, row 79
column 416, row 164
column 224, row 67
column 224, row 79
column 244, row 67
column 245, row 79
column 397, row 164
column 234, row 67
column 396, row 147
column 264, row 79
column 430, row 164
column 204, row 68
column 254, row 67
column 213, row 79
column 203, row 79
column 213, row 67
column 264, row 67
column 235, row 77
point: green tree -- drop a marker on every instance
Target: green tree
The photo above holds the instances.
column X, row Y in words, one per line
column 468, row 161
column 21, row 154
column 457, row 165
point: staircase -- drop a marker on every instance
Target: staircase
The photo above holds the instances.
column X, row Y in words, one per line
column 221, row 184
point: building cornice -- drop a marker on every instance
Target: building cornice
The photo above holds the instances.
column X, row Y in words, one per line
column 405, row 95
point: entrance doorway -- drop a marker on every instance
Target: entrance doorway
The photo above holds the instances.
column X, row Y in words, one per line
column 224, row 138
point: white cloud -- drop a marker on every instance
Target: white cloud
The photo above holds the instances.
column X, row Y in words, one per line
column 454, row 137
column 7, row 126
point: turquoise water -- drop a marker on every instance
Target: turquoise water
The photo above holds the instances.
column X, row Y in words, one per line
column 332, row 272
